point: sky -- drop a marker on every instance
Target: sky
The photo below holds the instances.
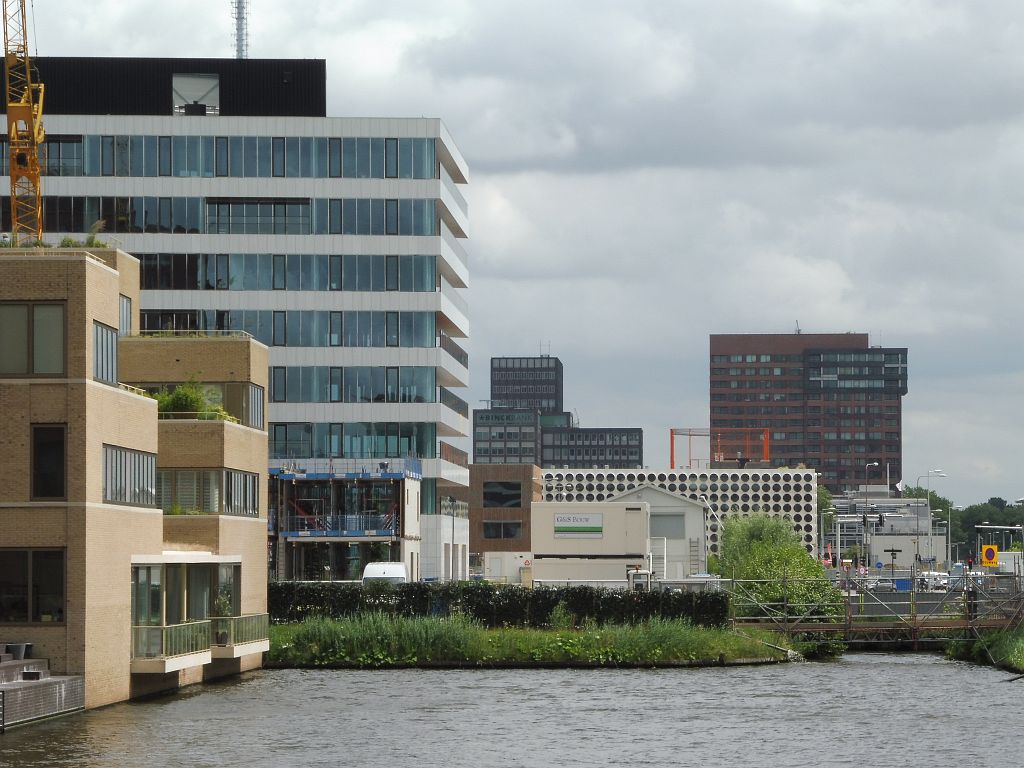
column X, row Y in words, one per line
column 646, row 173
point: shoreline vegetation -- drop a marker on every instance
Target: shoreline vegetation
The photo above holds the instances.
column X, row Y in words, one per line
column 1002, row 650
column 381, row 641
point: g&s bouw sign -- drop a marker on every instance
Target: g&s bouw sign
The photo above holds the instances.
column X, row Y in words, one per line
column 579, row 526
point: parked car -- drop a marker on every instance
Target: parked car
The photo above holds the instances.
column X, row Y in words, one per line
column 882, row 585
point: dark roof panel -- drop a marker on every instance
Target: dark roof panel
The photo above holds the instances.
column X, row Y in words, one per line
column 139, row 86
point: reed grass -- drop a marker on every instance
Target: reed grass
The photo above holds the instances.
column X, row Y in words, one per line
column 377, row 640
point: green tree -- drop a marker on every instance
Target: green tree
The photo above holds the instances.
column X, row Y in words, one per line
column 777, row 575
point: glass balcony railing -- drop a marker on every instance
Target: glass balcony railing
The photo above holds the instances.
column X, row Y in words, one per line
column 341, row 525
column 237, row 630
column 172, row 640
column 448, row 345
column 453, row 401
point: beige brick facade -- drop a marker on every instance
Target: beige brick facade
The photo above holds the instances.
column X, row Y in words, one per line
column 100, row 539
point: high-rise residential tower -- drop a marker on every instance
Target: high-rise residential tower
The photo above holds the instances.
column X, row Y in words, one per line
column 831, row 402
column 337, row 242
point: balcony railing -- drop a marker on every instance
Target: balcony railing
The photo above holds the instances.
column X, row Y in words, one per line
column 171, row 640
column 199, row 416
column 454, row 402
column 196, row 333
column 453, row 349
column 453, row 455
column 340, row 525
column 237, row 630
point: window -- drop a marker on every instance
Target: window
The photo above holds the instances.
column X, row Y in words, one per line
column 49, row 464
column 241, row 493
column 280, row 327
column 124, row 324
column 503, row 529
column 278, row 391
column 31, row 585
column 129, row 477
column 32, row 342
column 104, row 353
column 503, row 495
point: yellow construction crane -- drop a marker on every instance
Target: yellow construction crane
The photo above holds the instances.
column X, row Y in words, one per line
column 24, row 127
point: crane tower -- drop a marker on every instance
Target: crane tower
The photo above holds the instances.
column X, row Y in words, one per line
column 24, row 126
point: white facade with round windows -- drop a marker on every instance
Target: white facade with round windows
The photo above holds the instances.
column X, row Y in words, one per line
column 789, row 494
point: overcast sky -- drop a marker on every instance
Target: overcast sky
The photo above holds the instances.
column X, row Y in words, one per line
column 644, row 174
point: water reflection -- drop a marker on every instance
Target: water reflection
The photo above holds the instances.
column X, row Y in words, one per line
column 864, row 710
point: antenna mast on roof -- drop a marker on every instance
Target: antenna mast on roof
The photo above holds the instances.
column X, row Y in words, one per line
column 240, row 12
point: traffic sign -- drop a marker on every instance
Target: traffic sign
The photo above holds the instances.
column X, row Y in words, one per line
column 878, row 565
column 990, row 554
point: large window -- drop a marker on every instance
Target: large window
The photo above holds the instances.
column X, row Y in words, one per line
column 208, row 492
column 49, row 461
column 32, row 339
column 503, row 529
column 503, row 494
column 31, row 585
column 129, row 477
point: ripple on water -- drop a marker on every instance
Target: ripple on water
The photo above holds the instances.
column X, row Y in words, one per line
column 863, row 710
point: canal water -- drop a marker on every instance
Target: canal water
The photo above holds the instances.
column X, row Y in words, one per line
column 864, row 710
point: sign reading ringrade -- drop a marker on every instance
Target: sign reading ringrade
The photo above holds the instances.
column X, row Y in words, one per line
column 579, row 526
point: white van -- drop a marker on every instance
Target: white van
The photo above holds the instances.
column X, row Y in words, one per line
column 391, row 573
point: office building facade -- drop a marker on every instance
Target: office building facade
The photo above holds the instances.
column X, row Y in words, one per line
column 337, row 242
column 527, row 423
column 830, row 402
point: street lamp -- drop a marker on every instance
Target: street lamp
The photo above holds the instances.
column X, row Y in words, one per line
column 866, row 468
column 949, row 535
column 930, row 474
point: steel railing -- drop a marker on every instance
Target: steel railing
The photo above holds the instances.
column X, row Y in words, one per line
column 237, row 630
column 171, row 640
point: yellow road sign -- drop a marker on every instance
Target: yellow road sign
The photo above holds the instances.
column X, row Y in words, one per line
column 989, row 554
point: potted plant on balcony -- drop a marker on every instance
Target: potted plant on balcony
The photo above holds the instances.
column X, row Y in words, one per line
column 222, row 609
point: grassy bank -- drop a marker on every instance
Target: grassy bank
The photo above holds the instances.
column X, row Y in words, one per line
column 377, row 640
column 999, row 649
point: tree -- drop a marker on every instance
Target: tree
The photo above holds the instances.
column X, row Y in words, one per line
column 767, row 553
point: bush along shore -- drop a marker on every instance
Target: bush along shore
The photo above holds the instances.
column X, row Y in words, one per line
column 379, row 640
column 1004, row 650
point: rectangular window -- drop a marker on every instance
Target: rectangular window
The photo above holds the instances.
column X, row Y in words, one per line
column 280, row 272
column 334, row 393
column 391, row 273
column 503, row 495
column 32, row 341
column 391, row 217
column 49, row 461
column 334, row 272
column 335, row 329
column 391, row 333
column 165, row 155
column 280, row 337
column 278, row 386
column 104, row 353
column 221, row 149
column 502, row 529
column 32, row 585
column 129, row 477
column 391, row 158
column 334, row 157
column 124, row 324
column 278, row 150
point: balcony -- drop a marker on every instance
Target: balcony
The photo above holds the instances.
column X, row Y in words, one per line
column 453, row 455
column 453, row 401
column 236, row 636
column 157, row 650
column 448, row 345
column 341, row 526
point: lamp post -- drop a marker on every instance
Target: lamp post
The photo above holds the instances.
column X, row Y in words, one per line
column 451, row 505
column 866, row 468
column 929, row 475
column 949, row 535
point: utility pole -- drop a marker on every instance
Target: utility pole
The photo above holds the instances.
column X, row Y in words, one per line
column 892, row 565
